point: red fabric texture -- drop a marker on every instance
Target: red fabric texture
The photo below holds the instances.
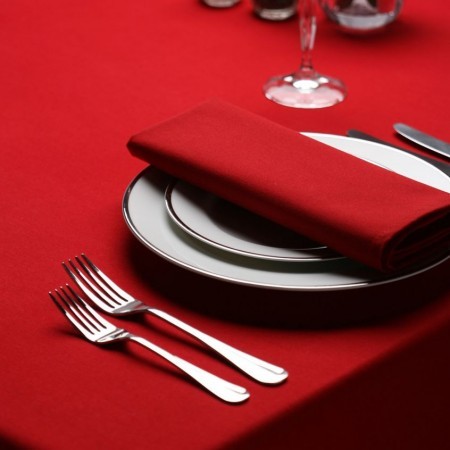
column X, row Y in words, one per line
column 367, row 367
column 360, row 210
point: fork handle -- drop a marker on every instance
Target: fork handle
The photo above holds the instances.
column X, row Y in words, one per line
column 223, row 389
column 256, row 368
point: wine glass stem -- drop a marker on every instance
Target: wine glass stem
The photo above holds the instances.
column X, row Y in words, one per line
column 308, row 27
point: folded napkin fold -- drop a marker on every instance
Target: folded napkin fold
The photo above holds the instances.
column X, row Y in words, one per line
column 363, row 211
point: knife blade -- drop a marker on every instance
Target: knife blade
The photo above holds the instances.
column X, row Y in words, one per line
column 442, row 166
column 423, row 139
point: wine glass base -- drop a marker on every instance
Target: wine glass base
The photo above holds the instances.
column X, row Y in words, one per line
column 310, row 91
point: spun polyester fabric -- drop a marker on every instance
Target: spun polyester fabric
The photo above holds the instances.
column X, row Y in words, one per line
column 363, row 211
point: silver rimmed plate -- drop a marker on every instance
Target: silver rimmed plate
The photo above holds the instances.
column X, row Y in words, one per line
column 146, row 215
column 231, row 228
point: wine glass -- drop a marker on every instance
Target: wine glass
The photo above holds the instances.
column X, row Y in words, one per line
column 361, row 16
column 305, row 88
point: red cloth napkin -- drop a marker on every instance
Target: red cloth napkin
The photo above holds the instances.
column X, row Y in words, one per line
column 365, row 212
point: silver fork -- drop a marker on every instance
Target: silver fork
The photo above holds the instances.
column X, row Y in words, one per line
column 109, row 297
column 99, row 331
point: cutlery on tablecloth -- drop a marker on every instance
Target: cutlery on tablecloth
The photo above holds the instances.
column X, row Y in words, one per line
column 99, row 331
column 110, row 298
column 423, row 139
column 442, row 166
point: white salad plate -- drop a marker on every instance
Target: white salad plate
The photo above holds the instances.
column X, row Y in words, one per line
column 146, row 214
column 232, row 228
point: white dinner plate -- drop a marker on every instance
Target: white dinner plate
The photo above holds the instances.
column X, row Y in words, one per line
column 146, row 215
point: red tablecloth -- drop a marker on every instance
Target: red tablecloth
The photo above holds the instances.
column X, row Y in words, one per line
column 368, row 368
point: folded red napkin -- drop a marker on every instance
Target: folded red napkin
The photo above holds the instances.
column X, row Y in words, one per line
column 365, row 212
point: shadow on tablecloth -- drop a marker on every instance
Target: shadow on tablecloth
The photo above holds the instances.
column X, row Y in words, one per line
column 399, row 402
column 286, row 309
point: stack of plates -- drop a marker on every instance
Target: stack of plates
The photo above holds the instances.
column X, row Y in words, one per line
column 205, row 234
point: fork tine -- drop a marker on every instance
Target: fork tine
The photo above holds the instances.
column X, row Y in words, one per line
column 101, row 299
column 94, row 278
column 79, row 309
column 86, row 309
column 104, row 277
column 81, row 325
column 73, row 302
column 56, row 302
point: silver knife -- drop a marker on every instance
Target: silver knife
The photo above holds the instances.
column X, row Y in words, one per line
column 442, row 166
column 425, row 140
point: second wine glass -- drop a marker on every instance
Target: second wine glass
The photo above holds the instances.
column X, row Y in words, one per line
column 306, row 88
